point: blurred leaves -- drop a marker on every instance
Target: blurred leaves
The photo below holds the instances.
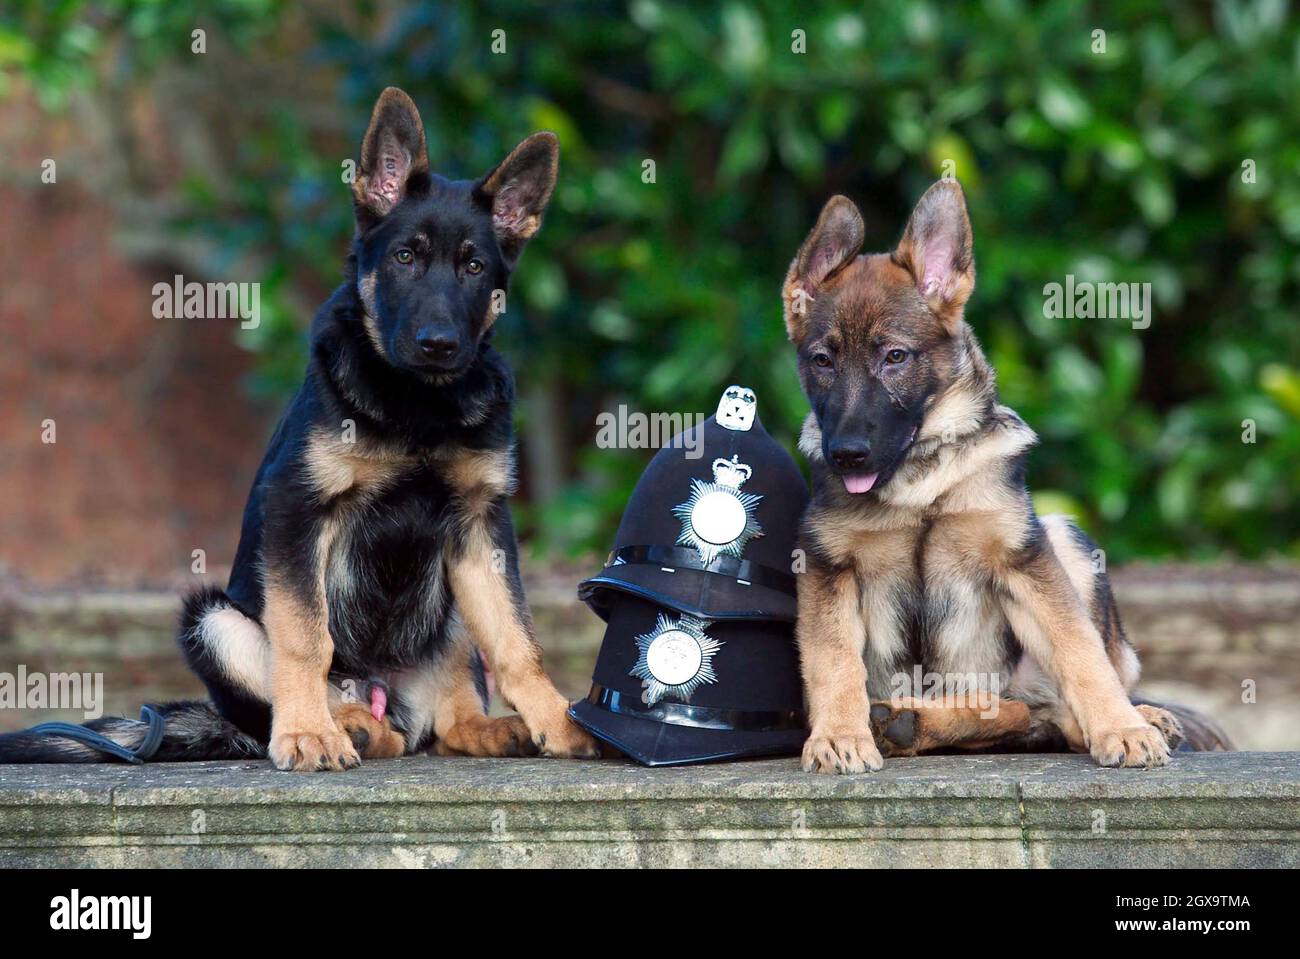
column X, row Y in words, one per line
column 1166, row 152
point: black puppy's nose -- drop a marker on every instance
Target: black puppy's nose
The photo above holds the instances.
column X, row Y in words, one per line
column 850, row 454
column 436, row 344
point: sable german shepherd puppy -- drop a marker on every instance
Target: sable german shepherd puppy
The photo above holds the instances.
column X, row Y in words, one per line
column 922, row 544
column 377, row 558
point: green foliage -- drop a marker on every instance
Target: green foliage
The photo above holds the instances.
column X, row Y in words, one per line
column 1122, row 164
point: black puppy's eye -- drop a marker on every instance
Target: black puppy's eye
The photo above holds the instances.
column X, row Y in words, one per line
column 823, row 360
column 404, row 256
column 474, row 267
column 895, row 356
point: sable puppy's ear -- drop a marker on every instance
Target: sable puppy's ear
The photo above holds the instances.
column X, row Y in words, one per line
column 833, row 242
column 519, row 189
column 394, row 158
column 936, row 250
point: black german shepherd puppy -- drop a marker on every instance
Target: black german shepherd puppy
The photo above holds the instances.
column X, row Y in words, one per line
column 377, row 558
column 924, row 553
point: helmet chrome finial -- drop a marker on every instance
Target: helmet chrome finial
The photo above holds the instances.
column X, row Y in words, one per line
column 736, row 408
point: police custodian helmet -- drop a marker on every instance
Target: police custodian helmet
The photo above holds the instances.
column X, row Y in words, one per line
column 699, row 661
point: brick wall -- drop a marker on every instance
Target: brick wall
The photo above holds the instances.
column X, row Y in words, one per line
column 156, row 438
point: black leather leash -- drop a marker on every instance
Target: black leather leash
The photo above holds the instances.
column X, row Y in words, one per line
column 153, row 737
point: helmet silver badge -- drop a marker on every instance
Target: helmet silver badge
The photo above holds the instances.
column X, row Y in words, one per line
column 717, row 518
column 676, row 658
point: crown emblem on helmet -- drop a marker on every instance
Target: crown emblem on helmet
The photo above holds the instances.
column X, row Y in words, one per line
column 731, row 473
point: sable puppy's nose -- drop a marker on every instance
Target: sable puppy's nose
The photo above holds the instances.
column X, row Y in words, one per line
column 850, row 454
column 435, row 344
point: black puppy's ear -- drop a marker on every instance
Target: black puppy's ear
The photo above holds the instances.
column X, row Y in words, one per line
column 519, row 189
column 833, row 242
column 937, row 250
column 394, row 158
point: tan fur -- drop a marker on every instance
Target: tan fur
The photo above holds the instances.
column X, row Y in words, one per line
column 506, row 637
column 479, row 735
column 339, row 467
column 305, row 732
column 239, row 645
column 941, row 477
column 480, row 477
column 1052, row 624
column 965, row 545
column 460, row 723
column 463, row 729
column 927, row 238
column 304, row 735
column 1162, row 719
column 830, row 633
column 813, row 271
column 949, row 721
column 374, row 739
column 1076, row 563
column 344, row 474
column 366, row 285
column 947, row 525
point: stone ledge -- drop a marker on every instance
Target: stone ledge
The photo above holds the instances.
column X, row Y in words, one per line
column 1208, row 810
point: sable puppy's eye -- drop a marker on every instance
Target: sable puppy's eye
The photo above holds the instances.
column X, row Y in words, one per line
column 895, row 356
column 404, row 256
column 823, row 360
column 474, row 267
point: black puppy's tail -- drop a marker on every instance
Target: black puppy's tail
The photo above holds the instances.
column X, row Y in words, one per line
column 188, row 731
column 1201, row 734
column 191, row 731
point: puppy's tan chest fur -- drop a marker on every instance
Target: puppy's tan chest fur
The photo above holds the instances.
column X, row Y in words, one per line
column 352, row 469
column 927, row 601
column 926, row 562
column 345, row 465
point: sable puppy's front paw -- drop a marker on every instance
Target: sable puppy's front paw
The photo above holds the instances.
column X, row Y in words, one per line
column 1170, row 726
column 564, row 739
column 305, row 752
column 850, row 752
column 896, row 729
column 1132, row 746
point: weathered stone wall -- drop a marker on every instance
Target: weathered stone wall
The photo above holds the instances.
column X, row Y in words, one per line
column 1209, row 810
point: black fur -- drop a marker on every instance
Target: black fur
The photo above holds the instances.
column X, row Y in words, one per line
column 411, row 529
column 400, row 355
column 246, row 712
column 194, row 731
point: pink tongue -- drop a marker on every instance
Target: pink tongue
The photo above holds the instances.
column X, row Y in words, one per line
column 378, row 702
column 859, row 482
